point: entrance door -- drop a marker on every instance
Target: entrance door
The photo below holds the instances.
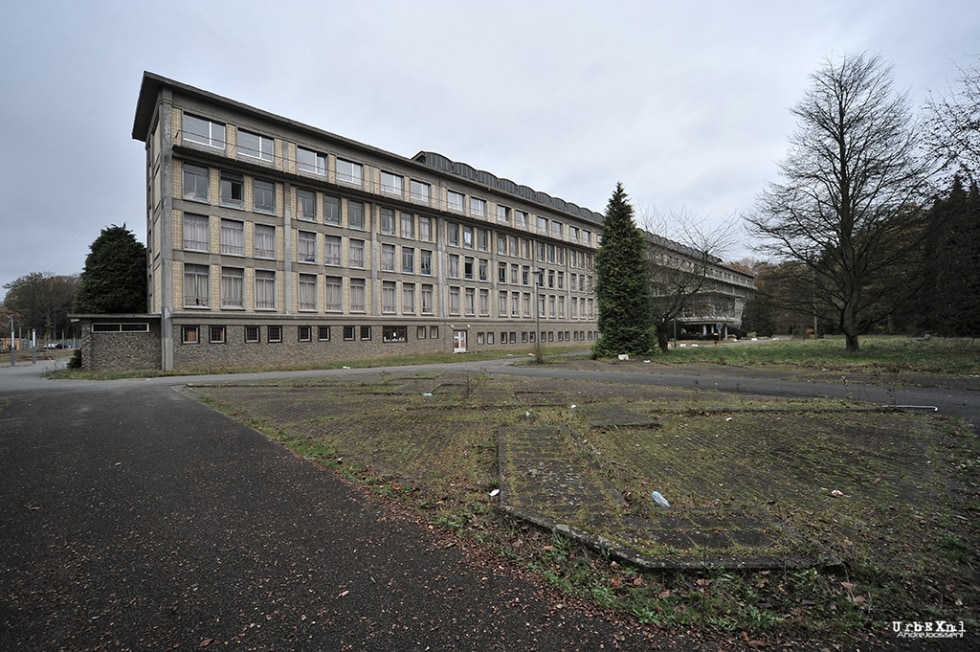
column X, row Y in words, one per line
column 459, row 341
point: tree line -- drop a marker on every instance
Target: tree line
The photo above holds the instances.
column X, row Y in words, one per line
column 113, row 281
column 874, row 223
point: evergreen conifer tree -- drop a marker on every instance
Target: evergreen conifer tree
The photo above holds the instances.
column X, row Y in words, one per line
column 114, row 279
column 622, row 283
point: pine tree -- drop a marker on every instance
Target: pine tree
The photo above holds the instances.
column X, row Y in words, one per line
column 622, row 283
column 114, row 279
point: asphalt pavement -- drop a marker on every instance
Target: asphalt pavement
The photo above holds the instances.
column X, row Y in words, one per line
column 132, row 517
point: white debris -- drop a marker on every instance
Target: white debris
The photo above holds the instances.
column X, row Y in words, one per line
column 659, row 499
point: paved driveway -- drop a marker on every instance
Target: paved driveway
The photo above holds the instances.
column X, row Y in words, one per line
column 132, row 517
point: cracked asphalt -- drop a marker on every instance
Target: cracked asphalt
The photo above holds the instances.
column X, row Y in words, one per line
column 132, row 517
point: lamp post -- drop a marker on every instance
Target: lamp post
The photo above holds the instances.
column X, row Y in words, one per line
column 13, row 356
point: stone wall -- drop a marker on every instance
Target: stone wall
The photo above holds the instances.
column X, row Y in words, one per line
column 135, row 344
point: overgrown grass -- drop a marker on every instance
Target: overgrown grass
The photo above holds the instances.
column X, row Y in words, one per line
column 877, row 354
column 904, row 527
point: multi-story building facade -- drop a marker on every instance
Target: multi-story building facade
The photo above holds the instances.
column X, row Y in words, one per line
column 713, row 293
column 272, row 242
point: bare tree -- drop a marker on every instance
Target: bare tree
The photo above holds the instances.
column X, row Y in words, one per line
column 680, row 270
column 953, row 136
column 847, row 209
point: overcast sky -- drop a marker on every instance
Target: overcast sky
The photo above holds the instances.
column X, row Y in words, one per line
column 686, row 103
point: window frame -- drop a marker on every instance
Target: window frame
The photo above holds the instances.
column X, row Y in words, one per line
column 318, row 165
column 209, row 139
column 265, row 146
column 263, row 188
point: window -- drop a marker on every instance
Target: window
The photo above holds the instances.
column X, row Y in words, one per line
column 433, row 332
column 254, row 145
column 195, row 285
column 478, row 207
column 387, row 221
column 408, row 260
column 332, row 250
column 453, row 266
column 453, row 300
column 388, row 294
column 251, row 334
column 309, row 161
column 468, row 236
column 387, row 257
column 190, row 335
column 501, row 272
column 394, row 334
column 323, row 333
column 425, row 229
column 265, row 241
column 391, row 184
column 420, row 332
column 503, row 214
column 195, row 228
column 274, row 334
column 452, row 233
column 469, row 301
column 483, row 239
column 348, row 333
column 232, row 193
column 426, row 294
column 520, row 219
column 232, row 282
column 515, row 271
column 331, row 209
column 357, row 295
column 485, row 302
column 515, row 304
column 203, row 131
column 349, row 172
column 468, row 268
column 420, row 191
column 556, row 229
column 304, row 333
column 456, row 201
column 542, row 225
column 195, row 183
column 263, row 196
column 216, row 334
column 306, row 205
column 265, row 289
column 408, row 298
column 501, row 244
column 425, row 262
column 233, row 237
column 502, row 303
column 334, row 292
column 365, row 332
column 484, row 264
column 306, row 249
column 307, row 291
column 355, row 250
column 355, row 215
column 408, row 225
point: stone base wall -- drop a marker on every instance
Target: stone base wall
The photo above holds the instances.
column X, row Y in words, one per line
column 133, row 342
column 105, row 348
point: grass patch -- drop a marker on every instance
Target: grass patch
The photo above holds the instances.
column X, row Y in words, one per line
column 877, row 355
column 904, row 526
